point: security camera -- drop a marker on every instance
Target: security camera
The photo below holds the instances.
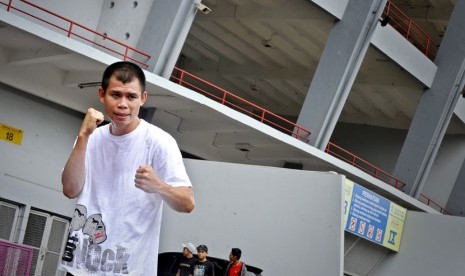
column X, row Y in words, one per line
column 204, row 9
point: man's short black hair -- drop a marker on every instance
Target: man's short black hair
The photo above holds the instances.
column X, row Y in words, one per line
column 236, row 252
column 125, row 72
column 203, row 248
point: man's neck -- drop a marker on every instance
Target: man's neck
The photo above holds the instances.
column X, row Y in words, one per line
column 125, row 129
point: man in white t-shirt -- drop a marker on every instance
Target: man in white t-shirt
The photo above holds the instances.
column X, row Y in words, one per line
column 121, row 173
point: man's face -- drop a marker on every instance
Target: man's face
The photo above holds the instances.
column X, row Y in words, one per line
column 122, row 103
column 202, row 255
column 232, row 258
column 185, row 252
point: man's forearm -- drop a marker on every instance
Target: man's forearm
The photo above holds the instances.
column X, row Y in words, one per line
column 180, row 199
column 73, row 175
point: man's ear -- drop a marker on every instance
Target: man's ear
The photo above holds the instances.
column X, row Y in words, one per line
column 101, row 94
column 143, row 97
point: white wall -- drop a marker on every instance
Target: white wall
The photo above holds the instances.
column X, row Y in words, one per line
column 30, row 173
column 287, row 222
column 445, row 170
column 431, row 245
column 377, row 145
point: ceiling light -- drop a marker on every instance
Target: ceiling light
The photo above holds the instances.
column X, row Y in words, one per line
column 267, row 43
column 89, row 84
column 253, row 87
column 243, row 146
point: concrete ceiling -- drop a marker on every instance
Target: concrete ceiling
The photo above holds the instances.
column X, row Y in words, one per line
column 268, row 51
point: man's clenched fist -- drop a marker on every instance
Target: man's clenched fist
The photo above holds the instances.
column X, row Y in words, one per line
column 91, row 121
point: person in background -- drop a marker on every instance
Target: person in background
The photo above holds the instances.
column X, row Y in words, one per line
column 203, row 267
column 121, row 173
column 186, row 265
column 235, row 267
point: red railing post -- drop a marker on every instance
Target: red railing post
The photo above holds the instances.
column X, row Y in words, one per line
column 126, row 53
column 427, row 46
column 263, row 116
column 9, row 6
column 70, row 30
column 409, row 27
column 223, row 100
column 181, row 77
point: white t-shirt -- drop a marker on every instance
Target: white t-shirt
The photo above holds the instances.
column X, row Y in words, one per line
column 116, row 226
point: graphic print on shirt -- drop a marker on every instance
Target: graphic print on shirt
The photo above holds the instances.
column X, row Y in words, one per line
column 199, row 269
column 95, row 228
column 84, row 251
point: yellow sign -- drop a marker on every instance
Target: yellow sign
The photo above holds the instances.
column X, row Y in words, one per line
column 11, row 134
column 394, row 227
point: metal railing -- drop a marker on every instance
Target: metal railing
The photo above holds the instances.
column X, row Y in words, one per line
column 75, row 29
column 433, row 204
column 408, row 28
column 226, row 98
column 239, row 104
column 363, row 165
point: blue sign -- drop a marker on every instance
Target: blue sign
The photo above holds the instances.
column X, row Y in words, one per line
column 372, row 216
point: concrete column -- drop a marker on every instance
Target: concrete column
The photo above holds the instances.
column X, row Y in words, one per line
column 165, row 32
column 124, row 22
column 339, row 64
column 435, row 108
column 456, row 204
